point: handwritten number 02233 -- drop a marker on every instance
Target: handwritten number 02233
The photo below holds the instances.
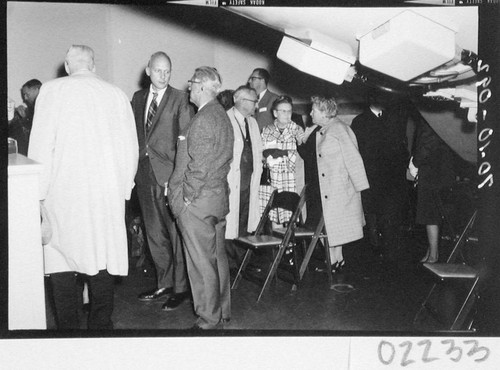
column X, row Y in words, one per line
column 452, row 351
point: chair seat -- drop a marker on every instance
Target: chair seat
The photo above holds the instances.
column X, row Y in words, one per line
column 299, row 232
column 259, row 241
column 451, row 270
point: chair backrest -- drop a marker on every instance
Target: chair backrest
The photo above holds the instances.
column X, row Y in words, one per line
column 288, row 200
column 458, row 249
column 297, row 202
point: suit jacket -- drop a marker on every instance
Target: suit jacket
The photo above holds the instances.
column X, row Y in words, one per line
column 159, row 145
column 263, row 113
column 383, row 146
column 342, row 177
column 204, row 155
column 234, row 177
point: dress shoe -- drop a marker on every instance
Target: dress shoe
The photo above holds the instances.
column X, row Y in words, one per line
column 198, row 327
column 323, row 268
column 425, row 258
column 174, row 301
column 432, row 259
column 153, row 295
column 338, row 266
column 429, row 259
column 225, row 320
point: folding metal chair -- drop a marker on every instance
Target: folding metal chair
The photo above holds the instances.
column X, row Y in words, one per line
column 461, row 197
column 286, row 200
column 458, row 272
column 303, row 234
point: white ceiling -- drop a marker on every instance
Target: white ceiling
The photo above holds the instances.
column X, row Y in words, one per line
column 345, row 24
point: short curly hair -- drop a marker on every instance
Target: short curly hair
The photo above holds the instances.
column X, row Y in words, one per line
column 327, row 105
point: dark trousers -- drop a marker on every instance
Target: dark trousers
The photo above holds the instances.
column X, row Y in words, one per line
column 207, row 265
column 67, row 300
column 385, row 212
column 165, row 243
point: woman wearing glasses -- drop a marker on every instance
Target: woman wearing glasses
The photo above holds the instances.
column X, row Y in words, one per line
column 280, row 141
column 335, row 176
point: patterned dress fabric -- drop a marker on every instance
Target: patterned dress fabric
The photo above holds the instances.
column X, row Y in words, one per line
column 282, row 169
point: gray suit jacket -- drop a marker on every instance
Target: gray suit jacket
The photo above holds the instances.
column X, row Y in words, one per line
column 159, row 145
column 203, row 159
column 264, row 113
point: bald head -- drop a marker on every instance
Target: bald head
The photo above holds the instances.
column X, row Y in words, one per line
column 78, row 58
column 159, row 55
column 159, row 70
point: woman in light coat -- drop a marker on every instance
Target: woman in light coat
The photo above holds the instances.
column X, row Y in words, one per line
column 233, row 178
column 340, row 176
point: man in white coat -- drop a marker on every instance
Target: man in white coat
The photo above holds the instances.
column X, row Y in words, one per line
column 84, row 136
column 245, row 172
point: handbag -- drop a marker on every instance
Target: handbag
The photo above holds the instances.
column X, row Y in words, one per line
column 265, row 178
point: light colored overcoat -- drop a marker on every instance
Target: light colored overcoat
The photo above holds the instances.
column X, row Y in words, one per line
column 342, row 177
column 84, row 136
column 234, row 177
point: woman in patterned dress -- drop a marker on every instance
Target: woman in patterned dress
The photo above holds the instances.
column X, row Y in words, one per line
column 280, row 142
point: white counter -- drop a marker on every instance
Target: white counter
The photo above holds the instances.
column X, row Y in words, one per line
column 26, row 276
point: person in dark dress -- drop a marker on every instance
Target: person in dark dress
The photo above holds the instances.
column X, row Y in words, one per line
column 433, row 166
column 308, row 153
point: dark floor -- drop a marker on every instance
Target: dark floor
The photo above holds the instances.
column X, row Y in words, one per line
column 369, row 295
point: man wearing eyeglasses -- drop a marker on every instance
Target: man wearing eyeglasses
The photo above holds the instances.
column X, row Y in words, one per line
column 258, row 81
column 161, row 114
column 198, row 194
column 246, row 169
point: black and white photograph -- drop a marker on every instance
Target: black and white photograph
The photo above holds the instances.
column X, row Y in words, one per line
column 251, row 184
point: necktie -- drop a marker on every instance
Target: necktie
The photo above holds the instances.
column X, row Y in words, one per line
column 151, row 112
column 247, row 132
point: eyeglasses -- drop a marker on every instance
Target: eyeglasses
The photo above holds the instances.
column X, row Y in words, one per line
column 253, row 101
column 284, row 111
column 255, row 78
column 194, row 82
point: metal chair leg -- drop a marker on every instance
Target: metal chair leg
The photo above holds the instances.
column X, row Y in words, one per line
column 272, row 271
column 468, row 302
column 326, row 246
column 242, row 268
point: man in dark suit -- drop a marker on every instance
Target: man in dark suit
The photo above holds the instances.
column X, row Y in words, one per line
column 20, row 123
column 383, row 145
column 258, row 81
column 198, row 194
column 161, row 113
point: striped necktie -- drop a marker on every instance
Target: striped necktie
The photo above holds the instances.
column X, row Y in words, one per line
column 151, row 112
column 247, row 133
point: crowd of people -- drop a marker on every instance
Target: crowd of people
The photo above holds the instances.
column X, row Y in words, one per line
column 203, row 164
